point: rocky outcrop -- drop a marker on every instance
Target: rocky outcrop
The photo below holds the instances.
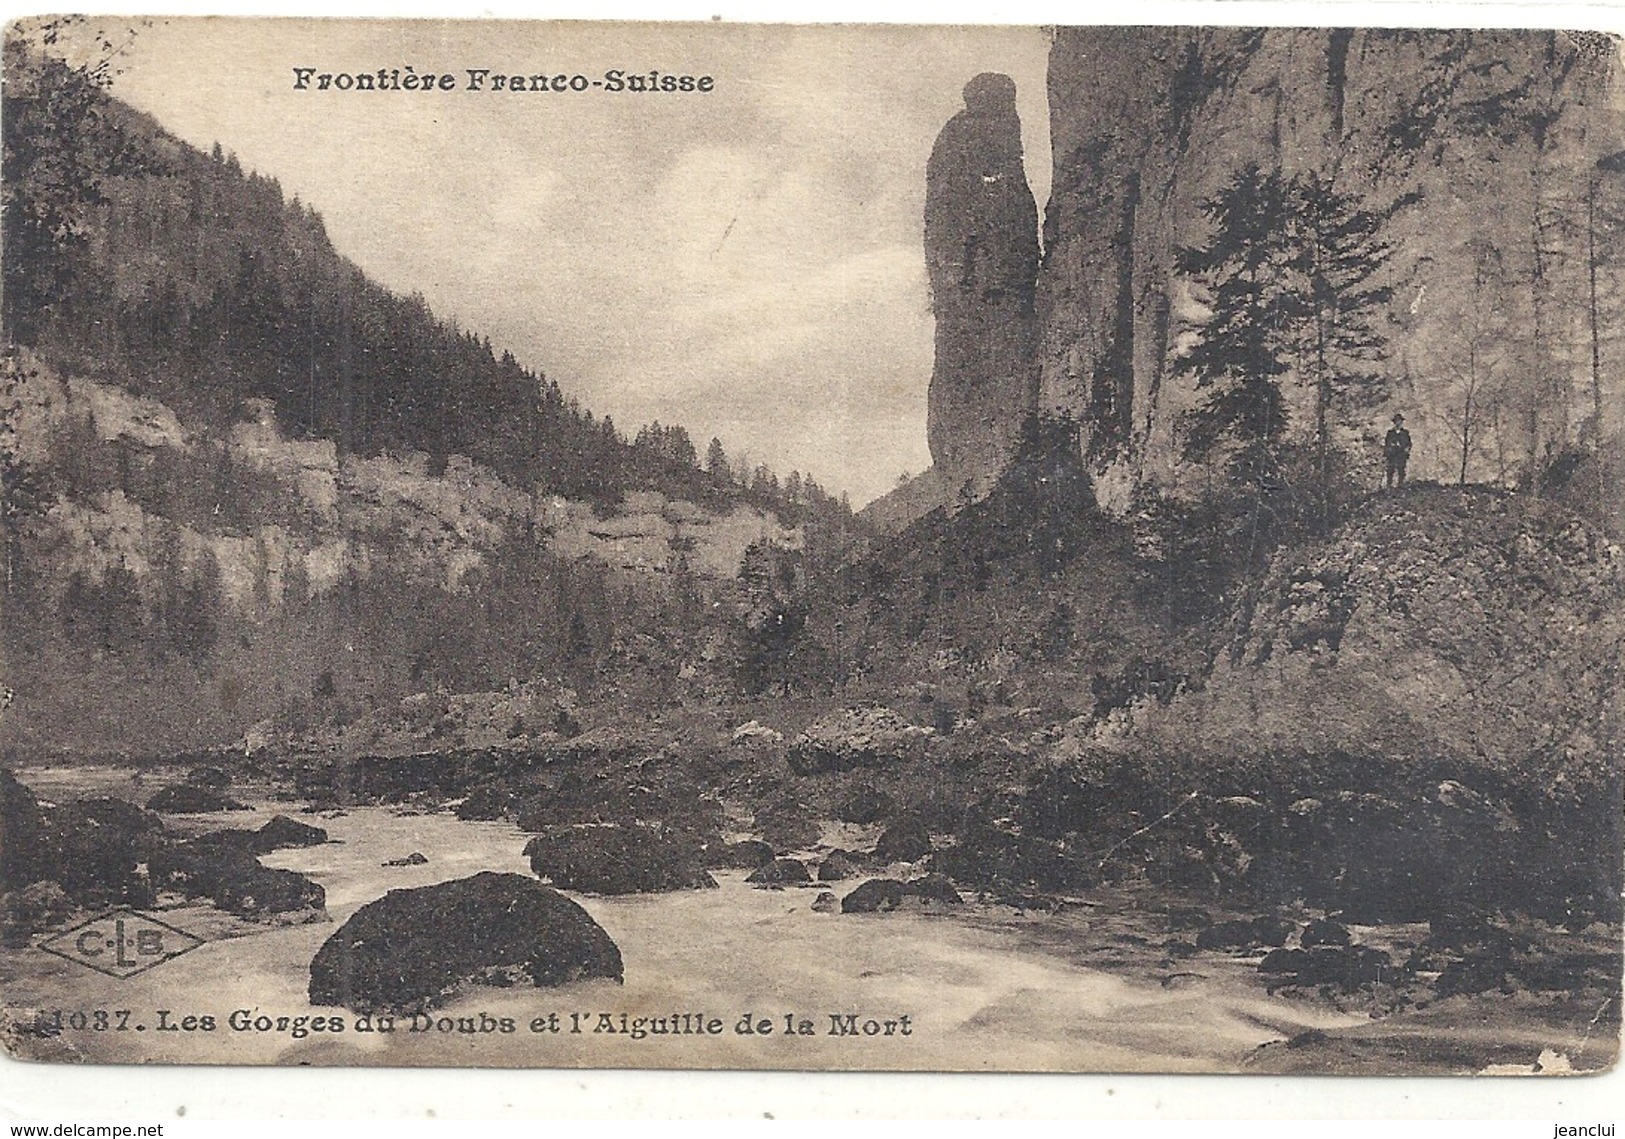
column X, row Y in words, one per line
column 1493, row 137
column 856, row 737
column 1472, row 624
column 410, row 950
column 617, row 858
column 23, row 855
column 981, row 251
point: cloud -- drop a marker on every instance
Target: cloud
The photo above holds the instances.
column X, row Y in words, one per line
column 748, row 264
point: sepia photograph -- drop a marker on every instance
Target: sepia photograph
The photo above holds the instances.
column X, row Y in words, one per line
column 840, row 548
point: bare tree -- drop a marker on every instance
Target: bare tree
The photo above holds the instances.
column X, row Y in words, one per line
column 1480, row 334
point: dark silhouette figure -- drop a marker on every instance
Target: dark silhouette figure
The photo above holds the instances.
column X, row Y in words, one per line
column 1396, row 449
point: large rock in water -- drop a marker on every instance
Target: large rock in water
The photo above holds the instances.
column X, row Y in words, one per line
column 192, row 799
column 220, row 867
column 881, row 895
column 874, row 896
column 281, row 831
column 781, row 872
column 981, row 251
column 99, row 846
column 906, row 840
column 410, row 949
column 746, row 854
column 617, row 858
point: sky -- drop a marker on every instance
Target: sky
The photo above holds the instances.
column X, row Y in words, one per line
column 746, row 262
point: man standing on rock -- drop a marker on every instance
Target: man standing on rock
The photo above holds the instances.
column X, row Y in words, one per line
column 1396, row 448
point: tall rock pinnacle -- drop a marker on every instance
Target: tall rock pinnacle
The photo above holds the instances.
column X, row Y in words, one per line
column 981, row 250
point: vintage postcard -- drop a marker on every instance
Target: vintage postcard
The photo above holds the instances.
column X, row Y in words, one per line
column 735, row 546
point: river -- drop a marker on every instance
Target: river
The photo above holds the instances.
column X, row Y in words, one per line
column 983, row 987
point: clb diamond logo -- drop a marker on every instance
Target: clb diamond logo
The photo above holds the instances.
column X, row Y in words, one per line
column 121, row 943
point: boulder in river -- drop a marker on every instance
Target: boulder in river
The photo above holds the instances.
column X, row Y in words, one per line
column 1324, row 931
column 617, row 858
column 746, row 854
column 906, row 840
column 224, row 871
column 409, row 950
column 877, row 895
column 281, row 831
column 837, row 866
column 192, row 799
column 278, row 833
column 933, row 888
column 99, row 846
column 261, row 891
column 1345, row 968
column 781, row 872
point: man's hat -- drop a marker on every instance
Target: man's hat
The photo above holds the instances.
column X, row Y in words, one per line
column 1398, row 418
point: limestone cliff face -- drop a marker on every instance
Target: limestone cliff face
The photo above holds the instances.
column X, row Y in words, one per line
column 981, row 248
column 1497, row 135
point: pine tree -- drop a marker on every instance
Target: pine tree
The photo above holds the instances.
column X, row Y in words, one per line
column 1242, row 351
column 1336, row 251
column 716, row 461
column 1290, row 273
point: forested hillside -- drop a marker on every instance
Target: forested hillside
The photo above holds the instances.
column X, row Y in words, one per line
column 243, row 480
column 136, row 259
